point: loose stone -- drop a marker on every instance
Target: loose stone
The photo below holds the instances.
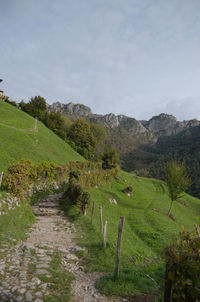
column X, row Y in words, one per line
column 28, row 297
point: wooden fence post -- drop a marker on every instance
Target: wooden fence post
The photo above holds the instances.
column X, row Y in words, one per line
column 93, row 206
column 101, row 220
column 35, row 125
column 1, row 177
column 121, row 224
column 104, row 235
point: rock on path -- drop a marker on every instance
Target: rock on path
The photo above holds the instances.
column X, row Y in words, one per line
column 23, row 264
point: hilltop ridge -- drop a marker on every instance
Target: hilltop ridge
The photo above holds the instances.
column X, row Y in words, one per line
column 159, row 125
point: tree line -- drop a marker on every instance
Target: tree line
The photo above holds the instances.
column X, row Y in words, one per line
column 88, row 139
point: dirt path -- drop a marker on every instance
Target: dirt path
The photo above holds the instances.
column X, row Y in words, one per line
column 22, row 266
column 30, row 131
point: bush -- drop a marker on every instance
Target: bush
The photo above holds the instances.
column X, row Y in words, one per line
column 75, row 193
column 183, row 269
column 24, row 173
column 128, row 190
column 47, row 170
column 19, row 176
column 110, row 158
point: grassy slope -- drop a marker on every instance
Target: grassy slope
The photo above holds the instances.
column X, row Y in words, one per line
column 17, row 140
column 146, row 233
column 14, row 225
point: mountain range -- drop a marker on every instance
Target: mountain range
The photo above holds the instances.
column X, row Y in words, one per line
column 160, row 125
column 145, row 146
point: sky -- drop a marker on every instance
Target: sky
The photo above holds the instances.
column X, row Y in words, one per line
column 132, row 57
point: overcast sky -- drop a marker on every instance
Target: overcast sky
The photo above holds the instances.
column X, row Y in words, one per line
column 133, row 57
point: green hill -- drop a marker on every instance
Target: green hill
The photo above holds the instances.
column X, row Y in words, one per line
column 19, row 139
column 147, row 231
column 147, row 228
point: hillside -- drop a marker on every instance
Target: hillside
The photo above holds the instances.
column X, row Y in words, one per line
column 147, row 230
column 158, row 126
column 145, row 146
column 19, row 139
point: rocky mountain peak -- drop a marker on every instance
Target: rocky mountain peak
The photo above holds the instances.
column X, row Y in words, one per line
column 71, row 108
column 159, row 125
column 161, row 122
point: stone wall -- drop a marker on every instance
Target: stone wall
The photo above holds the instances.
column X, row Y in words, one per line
column 9, row 202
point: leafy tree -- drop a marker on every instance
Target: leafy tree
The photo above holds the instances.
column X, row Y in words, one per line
column 54, row 121
column 99, row 135
column 81, row 134
column 110, row 158
column 67, row 124
column 177, row 181
column 98, row 132
column 36, row 107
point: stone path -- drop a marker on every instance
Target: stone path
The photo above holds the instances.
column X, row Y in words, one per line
column 22, row 266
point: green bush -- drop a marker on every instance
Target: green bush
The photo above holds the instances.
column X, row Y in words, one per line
column 75, row 195
column 183, row 269
column 47, row 170
column 128, row 190
column 110, row 158
column 19, row 176
column 24, row 173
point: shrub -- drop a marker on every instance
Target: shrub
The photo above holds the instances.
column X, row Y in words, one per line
column 47, row 170
column 110, row 158
column 128, row 190
column 19, row 176
column 75, row 195
column 183, row 269
column 24, row 173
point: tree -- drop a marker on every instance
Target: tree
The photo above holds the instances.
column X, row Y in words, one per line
column 54, row 121
column 177, row 181
column 99, row 135
column 36, row 107
column 83, row 138
column 110, row 158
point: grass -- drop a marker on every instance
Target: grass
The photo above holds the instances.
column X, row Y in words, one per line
column 147, row 231
column 18, row 140
column 14, row 225
column 59, row 282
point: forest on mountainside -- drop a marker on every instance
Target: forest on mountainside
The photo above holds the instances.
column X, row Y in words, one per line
column 150, row 160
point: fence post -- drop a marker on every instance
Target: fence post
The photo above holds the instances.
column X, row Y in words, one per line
column 121, row 224
column 105, row 231
column 101, row 220
column 35, row 125
column 1, row 177
column 93, row 206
